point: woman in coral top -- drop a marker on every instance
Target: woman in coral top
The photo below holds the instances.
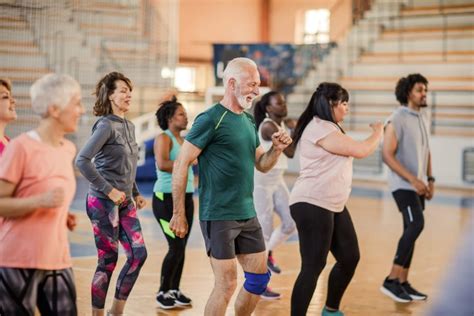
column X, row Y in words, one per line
column 7, row 111
column 37, row 185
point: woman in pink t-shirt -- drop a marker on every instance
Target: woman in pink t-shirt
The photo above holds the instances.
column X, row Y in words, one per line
column 318, row 198
column 37, row 185
column 7, row 110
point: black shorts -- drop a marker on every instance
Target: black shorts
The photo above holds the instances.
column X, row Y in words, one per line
column 22, row 290
column 225, row 239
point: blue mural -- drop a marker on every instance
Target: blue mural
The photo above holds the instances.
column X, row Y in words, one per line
column 281, row 66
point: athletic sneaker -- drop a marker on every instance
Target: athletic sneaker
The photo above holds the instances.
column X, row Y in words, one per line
column 394, row 290
column 166, row 300
column 327, row 312
column 180, row 299
column 270, row 295
column 272, row 265
column 414, row 294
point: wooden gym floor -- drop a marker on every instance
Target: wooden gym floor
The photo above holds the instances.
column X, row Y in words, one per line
column 378, row 225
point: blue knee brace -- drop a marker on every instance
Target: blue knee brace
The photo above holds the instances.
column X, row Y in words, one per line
column 256, row 283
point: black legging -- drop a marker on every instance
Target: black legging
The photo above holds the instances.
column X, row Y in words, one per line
column 411, row 205
column 173, row 262
column 321, row 231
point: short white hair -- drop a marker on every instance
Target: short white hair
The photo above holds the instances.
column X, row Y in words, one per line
column 236, row 67
column 52, row 89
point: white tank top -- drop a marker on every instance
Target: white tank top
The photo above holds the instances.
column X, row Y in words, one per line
column 282, row 162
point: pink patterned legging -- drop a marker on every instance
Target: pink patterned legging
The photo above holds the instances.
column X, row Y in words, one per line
column 111, row 225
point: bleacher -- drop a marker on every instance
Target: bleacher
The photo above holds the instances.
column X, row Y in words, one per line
column 85, row 39
column 393, row 39
column 22, row 62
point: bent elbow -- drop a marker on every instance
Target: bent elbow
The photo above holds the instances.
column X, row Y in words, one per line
column 361, row 153
column 79, row 162
column 259, row 168
column 387, row 158
column 160, row 166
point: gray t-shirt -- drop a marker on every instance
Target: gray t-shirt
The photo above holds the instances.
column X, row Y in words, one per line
column 413, row 146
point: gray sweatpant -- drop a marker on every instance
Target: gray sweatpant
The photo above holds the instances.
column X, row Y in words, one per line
column 271, row 195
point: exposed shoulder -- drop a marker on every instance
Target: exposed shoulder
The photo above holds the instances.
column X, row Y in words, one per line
column 163, row 137
column 163, row 140
column 290, row 123
column 267, row 129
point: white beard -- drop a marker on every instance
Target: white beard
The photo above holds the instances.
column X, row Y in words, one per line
column 243, row 102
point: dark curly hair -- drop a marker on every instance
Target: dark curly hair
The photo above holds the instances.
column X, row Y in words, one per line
column 405, row 85
column 104, row 88
column 326, row 96
column 166, row 111
column 260, row 109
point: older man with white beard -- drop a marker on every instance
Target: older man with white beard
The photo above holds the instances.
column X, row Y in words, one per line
column 224, row 139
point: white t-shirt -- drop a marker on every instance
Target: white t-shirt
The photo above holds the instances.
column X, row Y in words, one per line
column 282, row 162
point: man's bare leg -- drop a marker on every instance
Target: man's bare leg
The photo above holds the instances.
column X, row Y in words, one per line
column 225, row 282
column 256, row 263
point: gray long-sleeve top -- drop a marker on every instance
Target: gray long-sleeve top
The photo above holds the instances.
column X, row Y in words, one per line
column 114, row 152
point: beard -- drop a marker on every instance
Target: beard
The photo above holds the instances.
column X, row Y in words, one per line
column 242, row 99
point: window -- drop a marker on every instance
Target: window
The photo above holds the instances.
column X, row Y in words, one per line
column 316, row 26
column 185, row 79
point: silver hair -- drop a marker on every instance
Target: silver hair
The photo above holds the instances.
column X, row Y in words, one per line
column 52, row 89
column 235, row 68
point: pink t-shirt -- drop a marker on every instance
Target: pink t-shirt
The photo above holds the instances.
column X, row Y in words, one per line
column 3, row 145
column 325, row 178
column 37, row 240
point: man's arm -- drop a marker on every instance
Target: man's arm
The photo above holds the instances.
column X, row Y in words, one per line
column 187, row 155
column 264, row 161
column 429, row 194
column 389, row 149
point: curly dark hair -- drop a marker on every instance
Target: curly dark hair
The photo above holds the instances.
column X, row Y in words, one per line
column 326, row 96
column 104, row 88
column 405, row 85
column 166, row 111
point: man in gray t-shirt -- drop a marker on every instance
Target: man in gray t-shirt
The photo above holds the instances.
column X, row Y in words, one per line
column 406, row 152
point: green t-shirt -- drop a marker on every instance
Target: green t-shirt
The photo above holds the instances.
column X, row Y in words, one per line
column 226, row 164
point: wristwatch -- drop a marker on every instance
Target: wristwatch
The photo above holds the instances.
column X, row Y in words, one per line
column 431, row 179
